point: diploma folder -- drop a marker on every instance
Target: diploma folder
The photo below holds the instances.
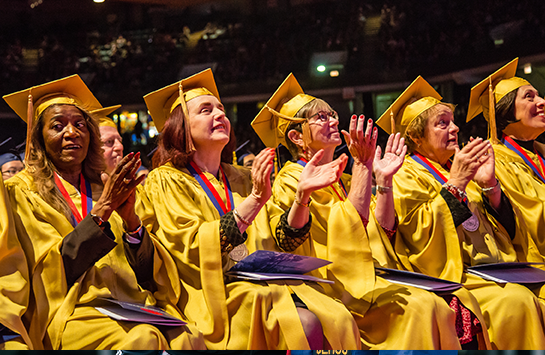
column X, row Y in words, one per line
column 266, row 265
column 425, row 282
column 134, row 312
column 521, row 273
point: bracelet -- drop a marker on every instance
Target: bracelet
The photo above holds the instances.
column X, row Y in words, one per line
column 491, row 190
column 100, row 221
column 235, row 212
column 301, row 203
column 137, row 230
column 459, row 194
column 384, row 189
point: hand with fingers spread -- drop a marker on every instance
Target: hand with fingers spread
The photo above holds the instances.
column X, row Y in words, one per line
column 394, row 156
column 361, row 146
column 467, row 162
column 118, row 193
column 315, row 177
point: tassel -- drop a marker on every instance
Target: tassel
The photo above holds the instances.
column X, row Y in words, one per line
column 189, row 147
column 234, row 158
column 30, row 121
column 307, row 136
column 492, row 133
column 276, row 164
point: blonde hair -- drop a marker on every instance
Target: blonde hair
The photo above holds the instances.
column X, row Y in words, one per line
column 41, row 168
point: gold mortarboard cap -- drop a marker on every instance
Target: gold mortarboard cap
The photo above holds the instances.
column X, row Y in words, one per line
column 273, row 120
column 102, row 115
column 503, row 82
column 161, row 102
column 416, row 98
column 69, row 90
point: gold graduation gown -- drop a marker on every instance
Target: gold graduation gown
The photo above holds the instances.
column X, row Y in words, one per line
column 14, row 281
column 236, row 315
column 60, row 315
column 429, row 242
column 526, row 191
column 385, row 312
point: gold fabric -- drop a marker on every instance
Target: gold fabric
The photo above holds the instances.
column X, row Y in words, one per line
column 14, row 280
column 40, row 229
column 417, row 98
column 161, row 102
column 234, row 315
column 526, row 191
column 385, row 312
column 428, row 241
column 69, row 90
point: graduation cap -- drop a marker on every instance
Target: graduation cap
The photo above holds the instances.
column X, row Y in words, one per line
column 162, row 102
column 486, row 94
column 417, row 98
column 273, row 120
column 102, row 116
column 30, row 103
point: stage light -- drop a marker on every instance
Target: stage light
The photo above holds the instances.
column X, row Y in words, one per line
column 334, row 73
column 320, row 68
column 98, row 1
column 528, row 68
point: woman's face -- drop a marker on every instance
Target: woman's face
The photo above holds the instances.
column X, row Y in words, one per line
column 440, row 135
column 208, row 123
column 529, row 109
column 66, row 137
column 324, row 128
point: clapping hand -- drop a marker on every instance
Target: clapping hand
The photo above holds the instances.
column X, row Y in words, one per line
column 361, row 146
column 394, row 156
column 315, row 176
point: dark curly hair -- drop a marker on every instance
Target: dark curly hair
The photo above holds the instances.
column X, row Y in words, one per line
column 41, row 168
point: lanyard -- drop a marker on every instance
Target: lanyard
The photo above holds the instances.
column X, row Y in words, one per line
column 342, row 195
column 86, row 197
column 211, row 192
column 515, row 147
column 432, row 169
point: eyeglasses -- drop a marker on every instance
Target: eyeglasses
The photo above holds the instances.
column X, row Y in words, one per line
column 324, row 116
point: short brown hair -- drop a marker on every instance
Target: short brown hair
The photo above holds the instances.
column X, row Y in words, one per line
column 417, row 128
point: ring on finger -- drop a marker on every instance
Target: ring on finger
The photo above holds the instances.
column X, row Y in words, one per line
column 127, row 181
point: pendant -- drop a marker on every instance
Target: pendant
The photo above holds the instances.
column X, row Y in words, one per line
column 239, row 252
column 471, row 224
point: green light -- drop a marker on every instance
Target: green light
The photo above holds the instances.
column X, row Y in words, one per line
column 321, row 68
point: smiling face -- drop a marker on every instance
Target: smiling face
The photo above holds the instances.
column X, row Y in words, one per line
column 324, row 127
column 66, row 136
column 208, row 123
column 529, row 109
column 440, row 135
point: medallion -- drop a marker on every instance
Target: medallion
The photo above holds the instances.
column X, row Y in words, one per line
column 471, row 224
column 239, row 252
